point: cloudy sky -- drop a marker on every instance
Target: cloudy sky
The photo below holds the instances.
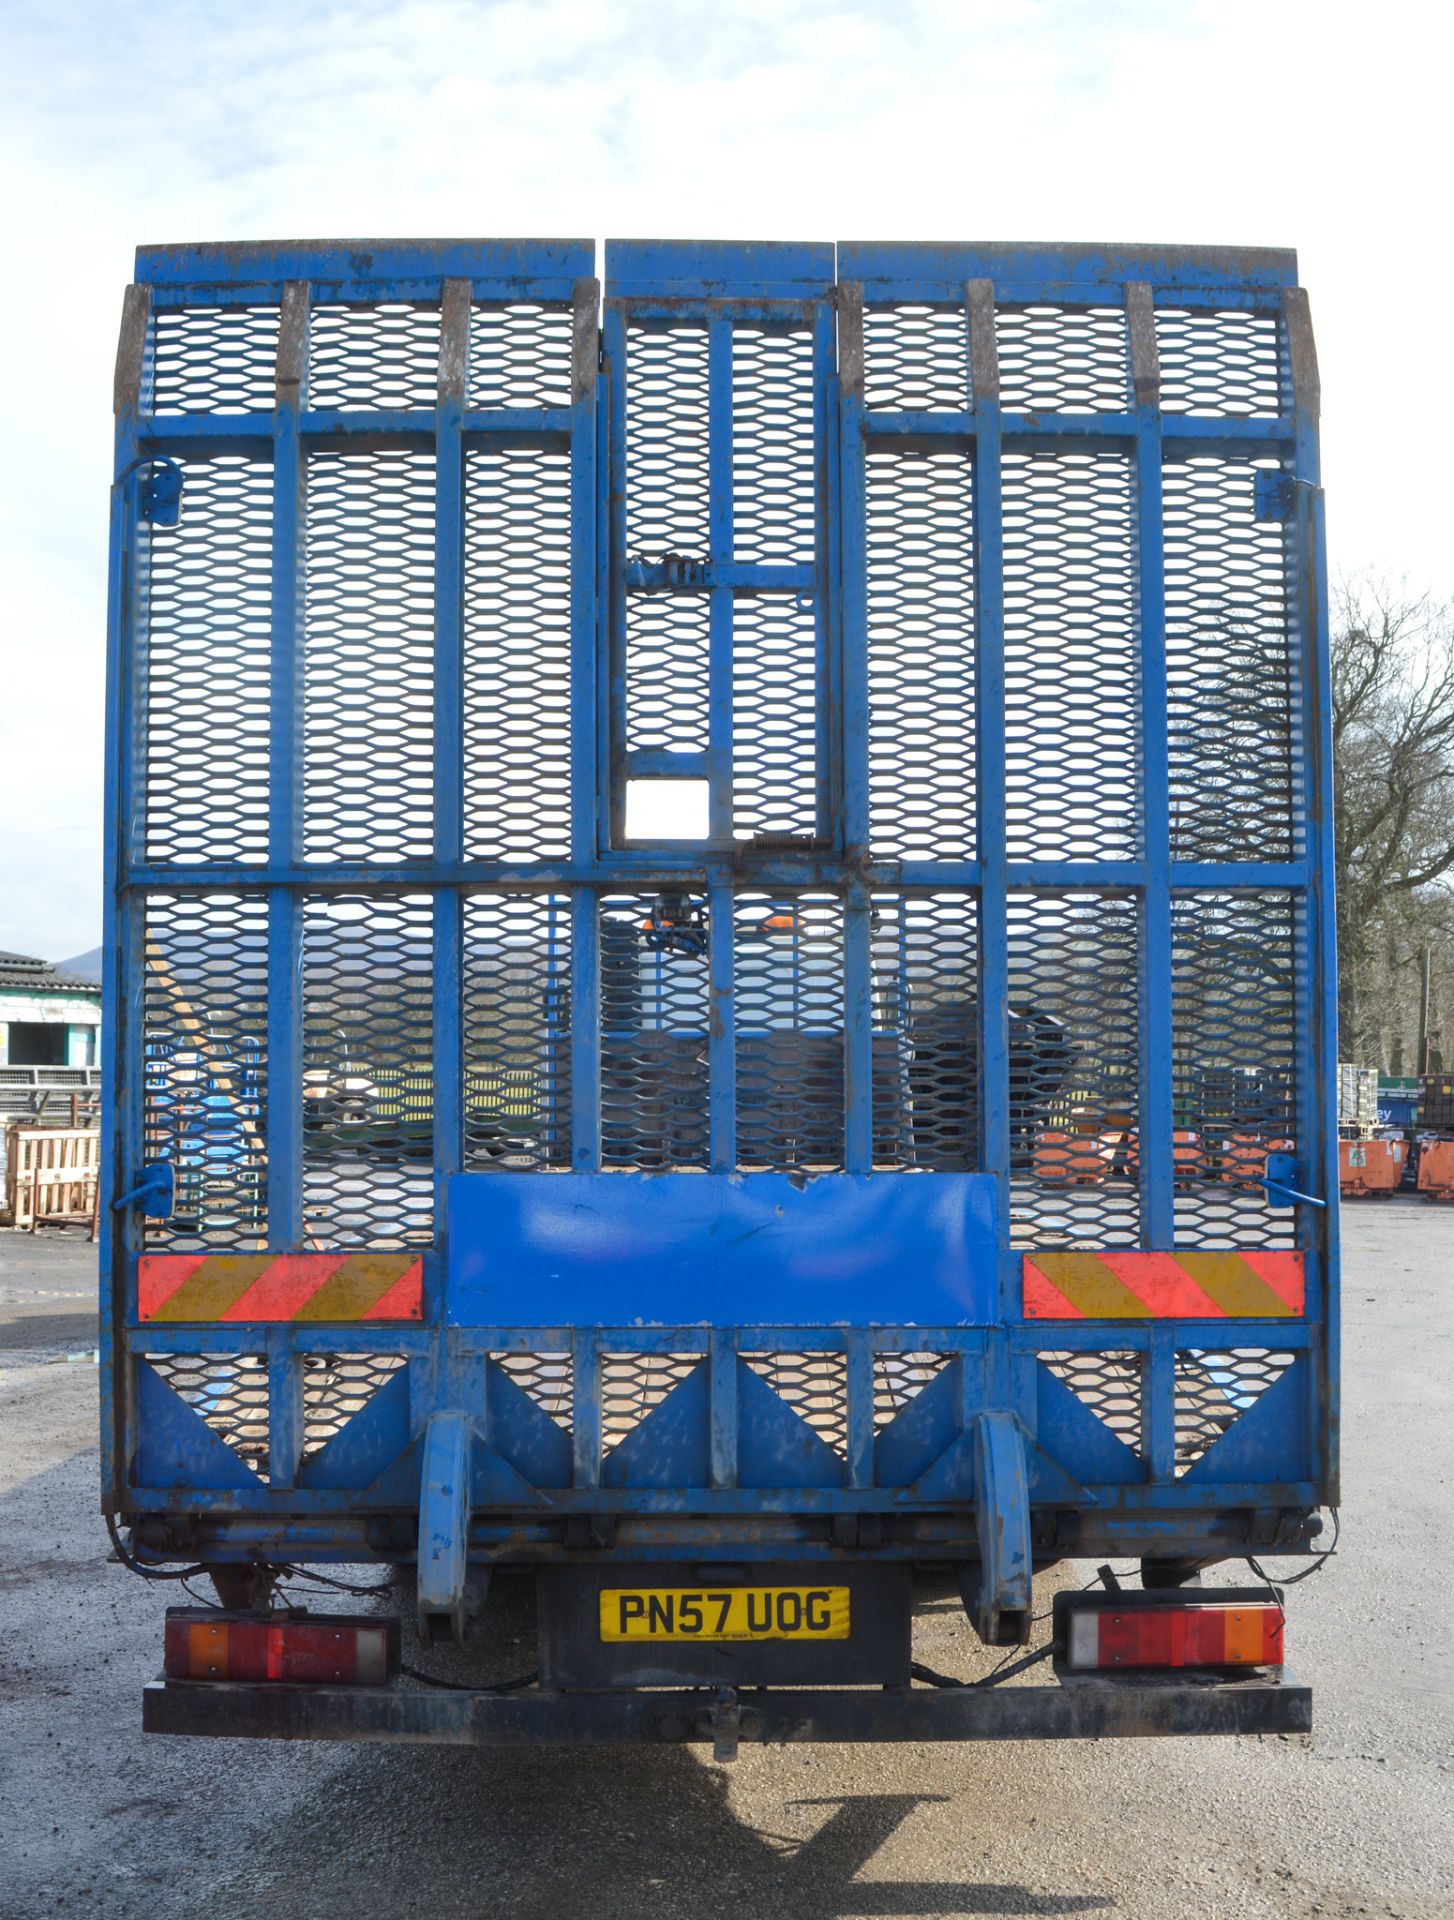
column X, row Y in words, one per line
column 1278, row 122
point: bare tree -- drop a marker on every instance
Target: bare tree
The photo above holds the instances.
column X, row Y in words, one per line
column 1393, row 744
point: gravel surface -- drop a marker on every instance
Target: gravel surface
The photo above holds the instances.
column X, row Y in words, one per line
column 1360, row 1822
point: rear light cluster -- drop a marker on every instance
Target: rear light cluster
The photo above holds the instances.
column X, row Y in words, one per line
column 1120, row 1636
column 205, row 1644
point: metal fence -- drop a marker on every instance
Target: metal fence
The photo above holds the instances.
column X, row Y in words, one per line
column 813, row 711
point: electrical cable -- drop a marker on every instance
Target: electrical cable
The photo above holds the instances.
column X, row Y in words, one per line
column 139, row 1567
column 1292, row 1579
column 991, row 1679
column 463, row 1686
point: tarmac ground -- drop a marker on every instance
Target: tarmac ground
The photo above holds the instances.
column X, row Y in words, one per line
column 1355, row 1824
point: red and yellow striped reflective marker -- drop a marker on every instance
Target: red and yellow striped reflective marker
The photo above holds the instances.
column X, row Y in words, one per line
column 1163, row 1286
column 307, row 1287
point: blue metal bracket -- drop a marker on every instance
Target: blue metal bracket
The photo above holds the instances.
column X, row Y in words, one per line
column 154, row 1192
column 444, row 1525
column 1280, row 1183
column 1000, row 1605
column 160, row 503
column 1274, row 494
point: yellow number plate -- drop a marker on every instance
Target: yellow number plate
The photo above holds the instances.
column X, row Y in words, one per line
column 724, row 1613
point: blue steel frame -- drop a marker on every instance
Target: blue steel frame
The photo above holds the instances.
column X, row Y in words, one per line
column 722, row 1472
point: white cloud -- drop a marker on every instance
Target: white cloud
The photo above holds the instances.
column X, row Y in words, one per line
column 1318, row 125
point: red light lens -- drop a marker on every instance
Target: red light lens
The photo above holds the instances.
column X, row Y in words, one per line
column 1245, row 1635
column 206, row 1644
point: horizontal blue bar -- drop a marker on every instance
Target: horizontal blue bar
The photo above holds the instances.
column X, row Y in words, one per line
column 195, row 429
column 340, row 269
column 1205, row 434
column 907, row 270
column 785, row 869
column 723, row 573
column 704, row 269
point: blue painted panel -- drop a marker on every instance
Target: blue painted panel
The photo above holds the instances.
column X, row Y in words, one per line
column 548, row 266
column 897, row 269
column 623, row 1249
column 703, row 268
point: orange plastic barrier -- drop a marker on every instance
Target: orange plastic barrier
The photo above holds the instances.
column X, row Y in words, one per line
column 1368, row 1167
column 1243, row 1161
column 1073, row 1159
column 1436, row 1169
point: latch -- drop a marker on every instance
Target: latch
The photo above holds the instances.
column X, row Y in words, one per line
column 154, row 1192
column 1281, row 1180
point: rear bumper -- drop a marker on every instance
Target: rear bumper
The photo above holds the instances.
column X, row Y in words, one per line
column 1092, row 1709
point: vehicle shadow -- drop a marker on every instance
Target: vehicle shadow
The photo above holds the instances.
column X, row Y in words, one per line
column 592, row 1834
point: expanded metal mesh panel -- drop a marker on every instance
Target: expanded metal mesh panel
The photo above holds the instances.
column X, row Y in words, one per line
column 899, row 1378
column 926, row 1032
column 1074, row 1068
column 666, row 443
column 634, row 1385
column 1062, row 359
column 204, row 1066
column 921, row 655
column 207, row 651
column 229, row 1391
column 653, row 1044
column 1071, row 658
column 1215, row 1388
column 774, row 485
column 362, row 358
column 1109, row 1384
column 520, row 356
column 1233, row 1063
column 517, row 958
column 546, row 1377
column 814, row 1385
column 1228, row 665
column 667, row 671
column 517, row 743
column 214, row 359
column 788, row 1011
column 916, row 358
column 336, row 1386
column 368, row 1074
column 774, row 715
column 1219, row 363
column 368, row 656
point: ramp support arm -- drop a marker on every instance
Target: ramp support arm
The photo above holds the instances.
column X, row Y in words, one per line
column 444, row 1527
column 999, row 1602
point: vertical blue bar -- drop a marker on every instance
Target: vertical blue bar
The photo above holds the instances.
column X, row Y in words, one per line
column 585, row 610
column 585, row 1032
column 449, row 559
column 828, row 551
column 285, row 1409
column 721, row 1022
column 722, row 1394
column 598, row 634
column 122, row 931
column 611, row 580
column 849, row 676
column 586, row 1407
column 1317, row 1227
column 860, row 1406
column 1158, row 1403
column 720, row 512
column 1154, row 996
column 285, row 983
column 989, row 703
